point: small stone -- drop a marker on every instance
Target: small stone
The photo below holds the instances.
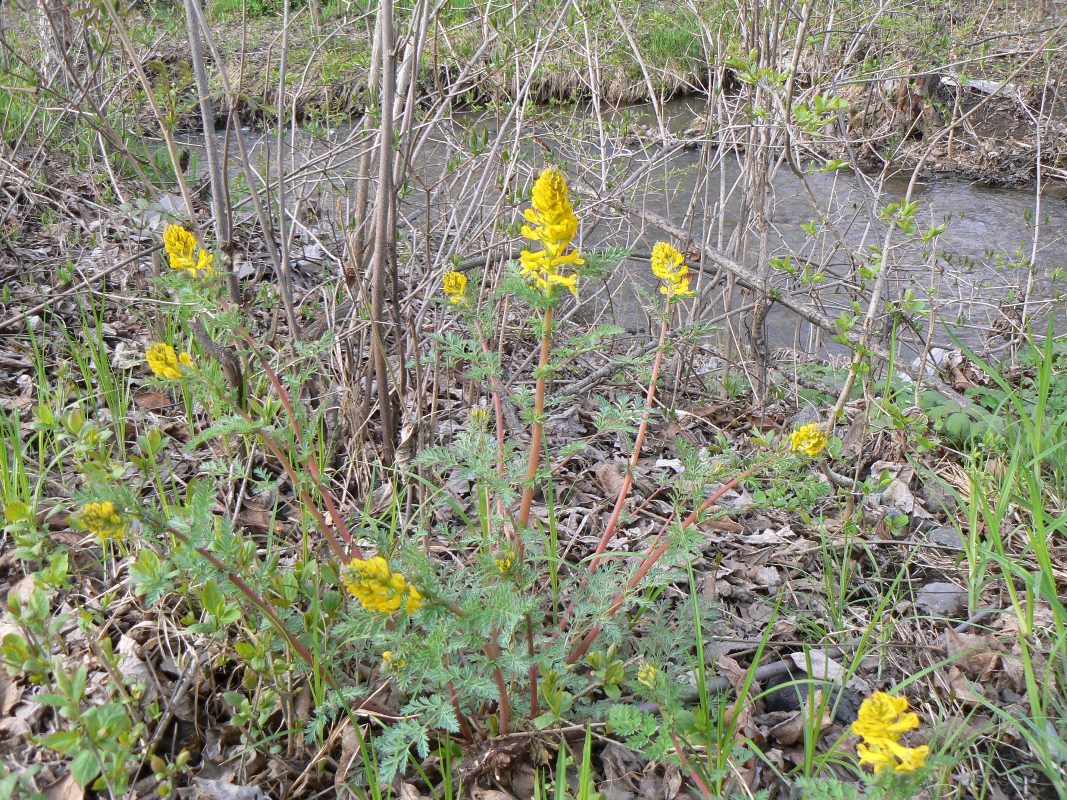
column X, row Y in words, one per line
column 941, row 599
column 939, row 499
column 946, row 537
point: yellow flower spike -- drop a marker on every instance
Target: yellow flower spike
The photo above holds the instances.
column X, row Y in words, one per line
column 552, row 217
column 102, row 520
column 569, row 282
column 455, row 286
column 646, row 675
column 378, row 588
column 479, row 418
column 883, row 716
column 180, row 245
column 810, row 439
column 665, row 260
column 891, row 755
column 881, row 721
column 668, row 265
column 165, row 362
column 553, row 225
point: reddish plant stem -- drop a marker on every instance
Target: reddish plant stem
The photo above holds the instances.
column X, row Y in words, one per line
column 335, row 545
column 628, row 479
column 492, row 649
column 655, row 552
column 258, row 602
column 464, row 726
column 536, row 435
column 361, row 704
column 313, row 465
column 704, row 790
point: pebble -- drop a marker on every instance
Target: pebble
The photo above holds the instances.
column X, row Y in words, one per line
column 939, row 499
column 945, row 537
column 941, row 599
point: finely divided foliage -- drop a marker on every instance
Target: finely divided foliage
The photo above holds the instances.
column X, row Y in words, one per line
column 361, row 457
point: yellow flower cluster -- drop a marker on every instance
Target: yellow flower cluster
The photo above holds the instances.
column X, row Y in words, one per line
column 181, row 246
column 668, row 266
column 646, row 675
column 882, row 720
column 378, row 588
column 165, row 362
column 505, row 562
column 102, row 520
column 392, row 662
column 809, row 439
column 455, row 286
column 553, row 225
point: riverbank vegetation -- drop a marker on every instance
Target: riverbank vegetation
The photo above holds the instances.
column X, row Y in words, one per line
column 532, row 400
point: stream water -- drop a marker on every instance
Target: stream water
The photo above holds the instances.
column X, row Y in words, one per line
column 981, row 258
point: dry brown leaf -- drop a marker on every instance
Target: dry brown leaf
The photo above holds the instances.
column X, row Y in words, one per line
column 302, row 706
column 382, row 498
column 1013, row 673
column 258, row 519
column 622, row 772
column 852, row 441
column 746, row 775
column 349, row 754
column 224, row 790
column 24, row 588
column 724, row 524
column 672, row 782
column 767, row 576
column 478, row 793
column 788, row 731
column 959, row 380
column 769, row 536
column 132, row 667
column 610, row 477
column 961, row 688
column 818, row 665
column 10, row 693
column 791, row 729
column 153, row 401
column 14, row 728
column 64, row 789
column 733, row 672
column 977, row 655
